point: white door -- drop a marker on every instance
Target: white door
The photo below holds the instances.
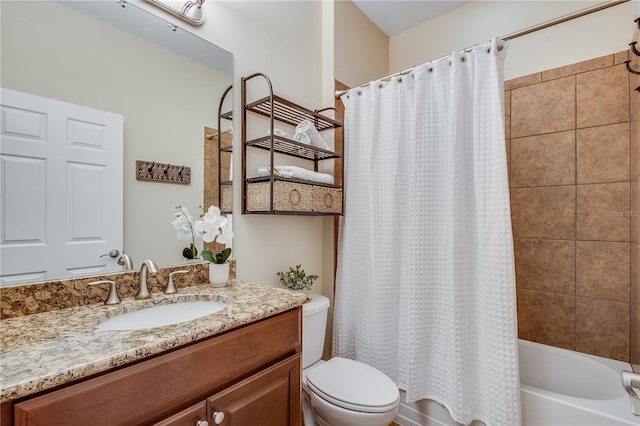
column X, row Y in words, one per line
column 60, row 189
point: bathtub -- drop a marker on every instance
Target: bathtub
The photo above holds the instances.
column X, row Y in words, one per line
column 557, row 387
column 562, row 387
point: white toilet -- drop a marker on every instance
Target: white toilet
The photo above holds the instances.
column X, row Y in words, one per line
column 340, row 392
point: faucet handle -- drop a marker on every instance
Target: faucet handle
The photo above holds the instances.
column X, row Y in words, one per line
column 112, row 298
column 631, row 381
column 171, row 288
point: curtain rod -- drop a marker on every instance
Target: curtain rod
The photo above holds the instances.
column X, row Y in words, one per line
column 512, row 36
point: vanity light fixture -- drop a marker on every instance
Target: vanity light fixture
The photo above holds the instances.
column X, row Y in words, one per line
column 191, row 11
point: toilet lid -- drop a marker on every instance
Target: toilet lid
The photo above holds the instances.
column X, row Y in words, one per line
column 353, row 385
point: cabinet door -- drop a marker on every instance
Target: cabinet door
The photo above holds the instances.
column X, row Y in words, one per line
column 269, row 398
column 195, row 415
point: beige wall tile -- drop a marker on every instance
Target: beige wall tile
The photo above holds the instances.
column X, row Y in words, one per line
column 543, row 108
column 602, row 328
column 547, row 318
column 621, row 56
column 602, row 96
column 634, row 142
column 635, row 340
column 634, row 212
column 603, row 270
column 507, row 114
column 635, row 277
column 508, row 147
column 592, row 64
column 634, row 109
column 545, row 265
column 603, row 154
column 602, row 212
column 526, row 80
column 546, row 212
column 634, row 82
column 544, row 160
column 634, row 88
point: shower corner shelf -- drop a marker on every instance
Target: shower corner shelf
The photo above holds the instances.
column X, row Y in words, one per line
column 287, row 196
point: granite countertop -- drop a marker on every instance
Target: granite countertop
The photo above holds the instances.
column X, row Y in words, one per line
column 45, row 350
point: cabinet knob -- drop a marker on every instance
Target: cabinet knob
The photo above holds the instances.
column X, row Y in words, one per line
column 202, row 423
column 218, row 417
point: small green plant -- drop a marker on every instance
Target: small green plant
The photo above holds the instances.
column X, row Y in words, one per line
column 218, row 258
column 297, row 279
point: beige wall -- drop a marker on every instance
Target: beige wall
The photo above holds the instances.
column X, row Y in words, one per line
column 283, row 40
column 361, row 48
column 588, row 37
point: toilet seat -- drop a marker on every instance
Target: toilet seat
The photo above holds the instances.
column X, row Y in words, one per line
column 354, row 386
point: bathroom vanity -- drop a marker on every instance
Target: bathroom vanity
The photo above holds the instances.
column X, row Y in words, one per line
column 240, row 366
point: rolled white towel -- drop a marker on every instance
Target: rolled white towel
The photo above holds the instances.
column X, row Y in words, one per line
column 302, row 138
column 307, row 127
column 298, row 173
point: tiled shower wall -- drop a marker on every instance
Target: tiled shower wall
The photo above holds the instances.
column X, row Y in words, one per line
column 568, row 140
column 634, row 84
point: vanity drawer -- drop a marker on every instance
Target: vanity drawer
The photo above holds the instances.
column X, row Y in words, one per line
column 191, row 416
column 155, row 389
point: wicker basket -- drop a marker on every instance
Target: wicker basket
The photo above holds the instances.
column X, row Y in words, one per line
column 226, row 198
column 327, row 200
column 287, row 196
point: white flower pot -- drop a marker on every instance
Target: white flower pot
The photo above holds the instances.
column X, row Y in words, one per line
column 218, row 274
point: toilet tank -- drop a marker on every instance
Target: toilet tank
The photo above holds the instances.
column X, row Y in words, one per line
column 314, row 325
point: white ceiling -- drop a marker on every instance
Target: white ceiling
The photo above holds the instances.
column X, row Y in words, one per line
column 396, row 16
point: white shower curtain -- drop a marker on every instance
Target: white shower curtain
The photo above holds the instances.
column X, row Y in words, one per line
column 425, row 284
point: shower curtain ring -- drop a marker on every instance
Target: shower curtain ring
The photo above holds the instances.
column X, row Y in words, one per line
column 634, row 49
column 631, row 70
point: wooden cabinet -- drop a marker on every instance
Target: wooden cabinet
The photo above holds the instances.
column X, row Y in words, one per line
column 263, row 399
column 189, row 417
column 273, row 194
column 251, row 374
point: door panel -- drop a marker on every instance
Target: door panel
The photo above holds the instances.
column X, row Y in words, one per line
column 61, row 189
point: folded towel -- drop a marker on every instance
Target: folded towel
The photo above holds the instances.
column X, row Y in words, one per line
column 307, row 127
column 298, row 173
column 277, row 132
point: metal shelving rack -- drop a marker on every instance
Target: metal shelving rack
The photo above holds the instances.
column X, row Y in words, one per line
column 321, row 197
column 225, row 187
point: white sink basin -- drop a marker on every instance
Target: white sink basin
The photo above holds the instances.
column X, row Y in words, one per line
column 158, row 316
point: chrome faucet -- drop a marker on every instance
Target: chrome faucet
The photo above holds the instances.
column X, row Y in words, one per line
column 125, row 262
column 143, row 291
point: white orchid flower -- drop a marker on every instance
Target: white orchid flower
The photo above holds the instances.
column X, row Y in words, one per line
column 226, row 236
column 210, row 228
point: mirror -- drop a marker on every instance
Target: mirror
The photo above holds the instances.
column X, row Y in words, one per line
column 164, row 81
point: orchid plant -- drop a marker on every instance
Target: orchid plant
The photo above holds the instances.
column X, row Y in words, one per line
column 211, row 227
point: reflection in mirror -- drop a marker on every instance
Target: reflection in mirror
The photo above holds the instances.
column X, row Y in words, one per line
column 162, row 81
